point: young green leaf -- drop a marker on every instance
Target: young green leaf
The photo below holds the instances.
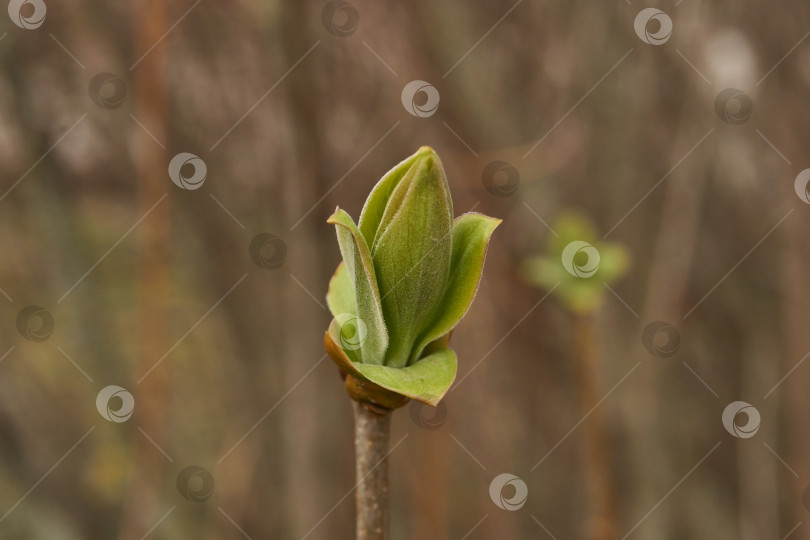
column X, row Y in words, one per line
column 377, row 200
column 427, row 380
column 471, row 234
column 340, row 295
column 360, row 269
column 411, row 253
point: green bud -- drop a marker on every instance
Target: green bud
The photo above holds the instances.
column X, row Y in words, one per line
column 409, row 274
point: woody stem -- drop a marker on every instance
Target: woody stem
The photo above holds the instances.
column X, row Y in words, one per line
column 371, row 435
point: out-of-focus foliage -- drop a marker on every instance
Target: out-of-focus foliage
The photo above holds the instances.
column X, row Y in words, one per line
column 577, row 266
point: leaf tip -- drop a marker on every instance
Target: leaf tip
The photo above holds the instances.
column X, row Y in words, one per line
column 331, row 219
column 334, row 219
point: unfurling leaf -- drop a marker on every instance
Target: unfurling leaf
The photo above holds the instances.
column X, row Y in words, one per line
column 471, row 234
column 358, row 262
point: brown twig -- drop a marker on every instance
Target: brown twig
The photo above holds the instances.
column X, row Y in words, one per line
column 371, row 434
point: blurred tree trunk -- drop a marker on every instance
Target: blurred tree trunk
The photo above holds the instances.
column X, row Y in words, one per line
column 758, row 471
column 792, row 396
column 250, row 384
column 307, row 180
column 429, row 508
column 667, row 284
column 141, row 508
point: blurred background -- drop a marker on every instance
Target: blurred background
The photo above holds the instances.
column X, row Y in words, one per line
column 194, row 286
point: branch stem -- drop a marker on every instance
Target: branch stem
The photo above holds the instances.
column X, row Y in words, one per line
column 371, row 439
column 598, row 468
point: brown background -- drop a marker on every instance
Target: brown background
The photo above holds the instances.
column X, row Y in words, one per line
column 322, row 137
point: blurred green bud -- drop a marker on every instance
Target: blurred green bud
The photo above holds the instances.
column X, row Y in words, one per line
column 577, row 263
column 409, row 274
